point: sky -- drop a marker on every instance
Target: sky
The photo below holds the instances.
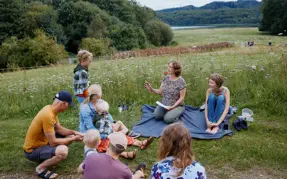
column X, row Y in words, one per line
column 163, row 4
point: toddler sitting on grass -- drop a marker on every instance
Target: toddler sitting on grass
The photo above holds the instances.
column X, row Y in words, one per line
column 91, row 141
column 106, row 127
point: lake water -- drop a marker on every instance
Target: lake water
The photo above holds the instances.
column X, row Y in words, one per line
column 189, row 27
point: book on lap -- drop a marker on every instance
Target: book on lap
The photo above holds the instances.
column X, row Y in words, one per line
column 161, row 105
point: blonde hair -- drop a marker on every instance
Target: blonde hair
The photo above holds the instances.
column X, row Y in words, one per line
column 92, row 138
column 176, row 141
column 84, row 55
column 102, row 106
column 94, row 89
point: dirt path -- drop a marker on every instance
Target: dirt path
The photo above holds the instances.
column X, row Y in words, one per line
column 171, row 50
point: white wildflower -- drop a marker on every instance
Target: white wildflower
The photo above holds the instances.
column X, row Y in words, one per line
column 262, row 69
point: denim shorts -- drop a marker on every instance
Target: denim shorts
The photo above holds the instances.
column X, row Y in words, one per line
column 41, row 153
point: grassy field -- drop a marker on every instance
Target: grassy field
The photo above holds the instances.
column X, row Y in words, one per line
column 256, row 77
column 239, row 36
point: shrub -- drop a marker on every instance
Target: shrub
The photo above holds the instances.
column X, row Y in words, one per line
column 97, row 47
column 28, row 52
column 158, row 33
column 174, row 43
column 128, row 37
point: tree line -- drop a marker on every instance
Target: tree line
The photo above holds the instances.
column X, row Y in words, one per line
column 274, row 17
column 246, row 12
column 101, row 26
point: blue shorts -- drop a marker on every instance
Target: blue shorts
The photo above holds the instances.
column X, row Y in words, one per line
column 80, row 99
column 41, row 153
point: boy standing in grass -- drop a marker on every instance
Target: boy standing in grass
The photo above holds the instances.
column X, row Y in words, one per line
column 81, row 81
column 46, row 140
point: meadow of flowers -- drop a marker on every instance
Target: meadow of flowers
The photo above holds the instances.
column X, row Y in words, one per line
column 256, row 77
column 251, row 74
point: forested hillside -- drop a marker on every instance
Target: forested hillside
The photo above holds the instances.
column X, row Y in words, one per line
column 245, row 12
column 30, row 27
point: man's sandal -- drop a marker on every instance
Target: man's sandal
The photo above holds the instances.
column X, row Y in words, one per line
column 147, row 143
column 46, row 174
column 131, row 154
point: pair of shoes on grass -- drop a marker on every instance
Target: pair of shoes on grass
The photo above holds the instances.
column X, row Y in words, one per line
column 240, row 123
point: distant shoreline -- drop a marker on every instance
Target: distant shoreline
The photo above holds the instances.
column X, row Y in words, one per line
column 189, row 27
column 212, row 26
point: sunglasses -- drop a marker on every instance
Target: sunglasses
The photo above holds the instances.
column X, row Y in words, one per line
column 103, row 113
column 93, row 95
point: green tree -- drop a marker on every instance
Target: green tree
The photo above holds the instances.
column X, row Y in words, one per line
column 122, row 9
column 39, row 16
column 97, row 47
column 70, row 21
column 27, row 52
column 158, row 33
column 11, row 19
column 97, row 29
column 143, row 14
column 274, row 16
column 77, row 18
column 127, row 37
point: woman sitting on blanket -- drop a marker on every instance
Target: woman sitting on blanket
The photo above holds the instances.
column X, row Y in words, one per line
column 175, row 155
column 217, row 103
column 172, row 90
column 94, row 115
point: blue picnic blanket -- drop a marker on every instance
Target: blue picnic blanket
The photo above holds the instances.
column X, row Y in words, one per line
column 192, row 118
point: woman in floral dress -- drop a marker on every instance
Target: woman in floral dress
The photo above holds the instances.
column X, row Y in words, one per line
column 175, row 155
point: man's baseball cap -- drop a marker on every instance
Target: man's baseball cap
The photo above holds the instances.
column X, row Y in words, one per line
column 118, row 138
column 65, row 96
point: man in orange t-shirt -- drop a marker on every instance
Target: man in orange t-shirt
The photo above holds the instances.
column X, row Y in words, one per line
column 46, row 140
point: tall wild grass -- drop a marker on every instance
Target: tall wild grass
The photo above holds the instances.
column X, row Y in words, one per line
column 256, row 80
